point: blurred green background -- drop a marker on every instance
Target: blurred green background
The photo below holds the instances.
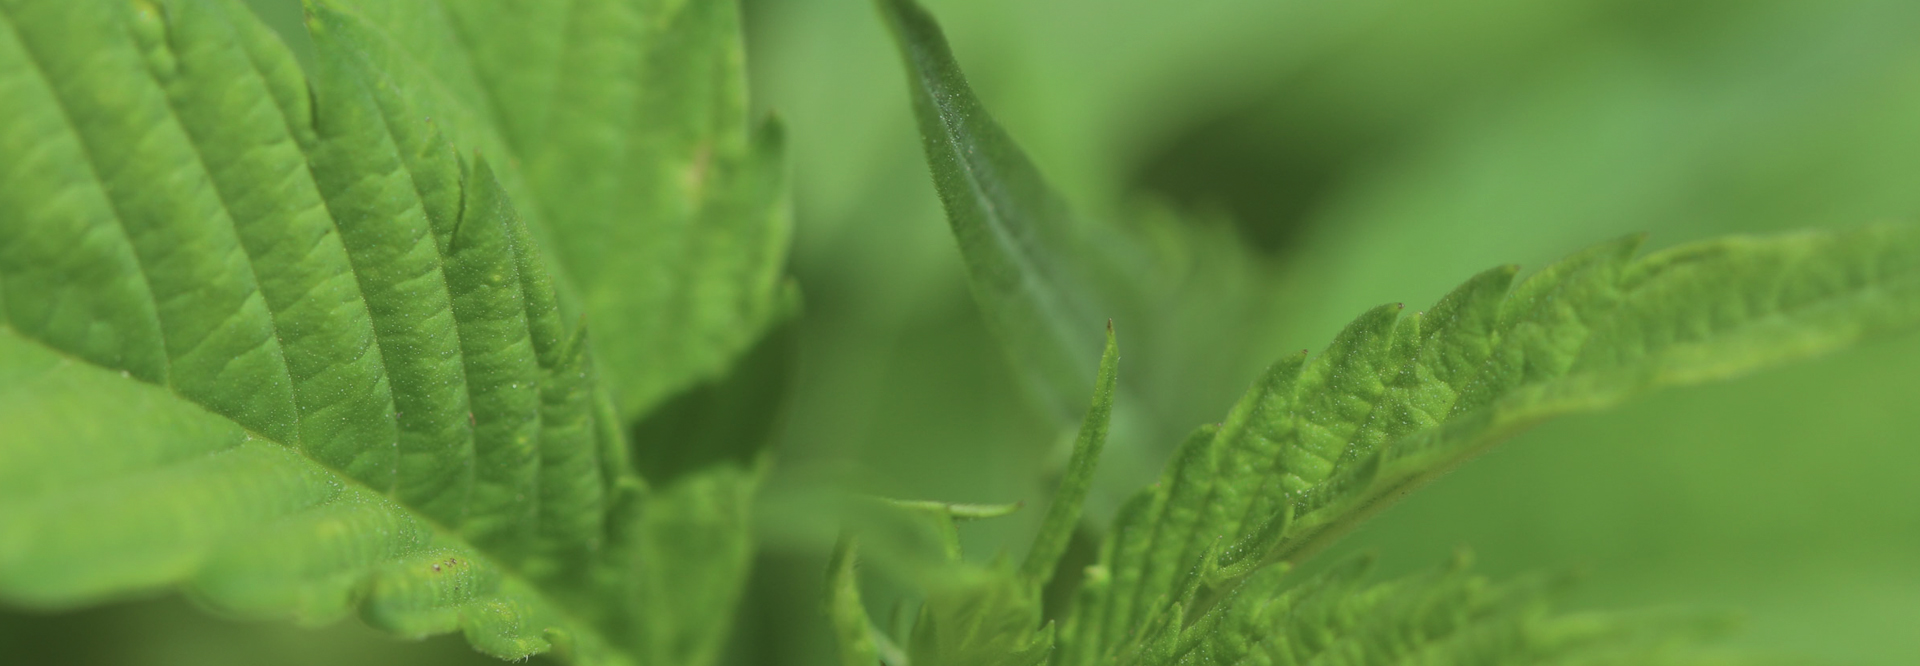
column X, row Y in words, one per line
column 1316, row 159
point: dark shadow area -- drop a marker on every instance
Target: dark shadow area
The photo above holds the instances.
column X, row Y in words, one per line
column 781, row 618
column 1268, row 163
column 731, row 418
column 170, row 631
column 1083, row 551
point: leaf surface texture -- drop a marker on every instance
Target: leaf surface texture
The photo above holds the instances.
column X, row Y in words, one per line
column 1323, row 441
column 1032, row 269
column 280, row 337
column 1319, row 444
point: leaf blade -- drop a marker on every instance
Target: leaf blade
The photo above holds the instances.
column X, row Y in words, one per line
column 853, row 632
column 1017, row 236
column 1063, row 510
column 637, row 154
column 1580, row 335
column 281, row 547
column 405, row 313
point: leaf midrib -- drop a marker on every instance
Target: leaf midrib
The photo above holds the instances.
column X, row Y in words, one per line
column 952, row 119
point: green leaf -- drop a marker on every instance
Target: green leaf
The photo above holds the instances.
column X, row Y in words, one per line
column 1063, row 514
column 1031, row 267
column 1318, row 445
column 1042, row 276
column 169, row 493
column 621, row 130
column 267, row 336
column 853, row 632
column 628, row 119
column 980, row 616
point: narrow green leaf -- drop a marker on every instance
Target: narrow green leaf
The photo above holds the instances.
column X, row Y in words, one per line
column 1318, row 445
column 1025, row 254
column 1063, row 514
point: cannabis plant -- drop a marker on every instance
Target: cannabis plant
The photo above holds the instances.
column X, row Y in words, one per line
column 450, row 323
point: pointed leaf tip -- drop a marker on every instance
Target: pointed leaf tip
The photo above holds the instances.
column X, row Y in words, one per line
column 1063, row 515
column 1032, row 271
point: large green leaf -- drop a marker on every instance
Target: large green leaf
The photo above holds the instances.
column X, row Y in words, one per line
column 1063, row 511
column 625, row 140
column 1318, row 445
column 270, row 337
column 628, row 118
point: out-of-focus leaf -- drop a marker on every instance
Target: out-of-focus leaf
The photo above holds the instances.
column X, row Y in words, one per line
column 1033, row 271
